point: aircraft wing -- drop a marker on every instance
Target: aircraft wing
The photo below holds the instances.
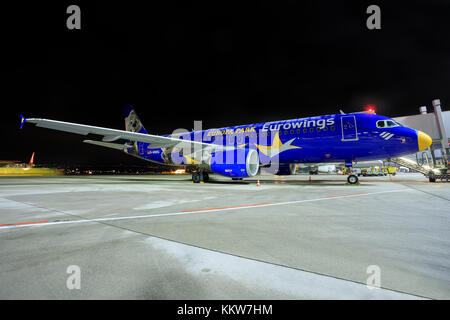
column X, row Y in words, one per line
column 114, row 134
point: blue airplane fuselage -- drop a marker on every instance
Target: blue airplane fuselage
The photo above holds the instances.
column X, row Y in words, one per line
column 330, row 138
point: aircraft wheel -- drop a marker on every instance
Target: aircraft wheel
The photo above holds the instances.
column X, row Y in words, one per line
column 196, row 177
column 352, row 179
column 205, row 177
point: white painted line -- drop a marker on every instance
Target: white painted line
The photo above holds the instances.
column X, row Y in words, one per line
column 199, row 211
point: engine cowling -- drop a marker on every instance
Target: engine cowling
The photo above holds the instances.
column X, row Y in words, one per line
column 237, row 163
column 286, row 169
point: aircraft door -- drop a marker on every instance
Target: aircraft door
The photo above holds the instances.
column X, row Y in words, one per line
column 349, row 129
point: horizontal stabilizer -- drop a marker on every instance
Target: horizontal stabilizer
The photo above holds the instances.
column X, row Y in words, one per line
column 116, row 146
column 111, row 138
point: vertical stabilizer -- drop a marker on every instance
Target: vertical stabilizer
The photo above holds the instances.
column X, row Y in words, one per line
column 31, row 164
column 132, row 122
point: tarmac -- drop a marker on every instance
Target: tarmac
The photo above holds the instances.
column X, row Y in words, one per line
column 164, row 237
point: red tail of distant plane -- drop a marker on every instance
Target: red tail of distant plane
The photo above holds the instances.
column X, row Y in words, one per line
column 31, row 164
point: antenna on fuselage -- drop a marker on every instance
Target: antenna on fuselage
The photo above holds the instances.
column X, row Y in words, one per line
column 342, row 112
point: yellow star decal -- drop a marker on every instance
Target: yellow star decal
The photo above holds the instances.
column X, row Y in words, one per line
column 276, row 147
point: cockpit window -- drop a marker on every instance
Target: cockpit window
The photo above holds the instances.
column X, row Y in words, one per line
column 390, row 124
column 387, row 124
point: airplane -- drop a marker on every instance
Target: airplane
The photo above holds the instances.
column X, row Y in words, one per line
column 241, row 151
column 18, row 164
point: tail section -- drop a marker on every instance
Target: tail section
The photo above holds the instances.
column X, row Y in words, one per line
column 31, row 163
column 132, row 122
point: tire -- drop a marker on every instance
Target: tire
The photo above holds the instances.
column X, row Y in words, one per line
column 432, row 177
column 352, row 179
column 205, row 177
column 196, row 177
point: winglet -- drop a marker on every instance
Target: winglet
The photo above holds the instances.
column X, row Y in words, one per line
column 22, row 120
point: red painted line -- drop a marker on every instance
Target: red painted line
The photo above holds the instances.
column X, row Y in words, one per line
column 21, row 223
column 248, row 205
column 348, row 195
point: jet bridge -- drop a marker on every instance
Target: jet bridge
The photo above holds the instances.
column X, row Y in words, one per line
column 434, row 162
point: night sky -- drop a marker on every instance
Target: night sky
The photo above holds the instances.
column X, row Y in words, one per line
column 221, row 62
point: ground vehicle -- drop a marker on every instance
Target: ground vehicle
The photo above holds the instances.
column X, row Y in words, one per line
column 390, row 170
column 378, row 171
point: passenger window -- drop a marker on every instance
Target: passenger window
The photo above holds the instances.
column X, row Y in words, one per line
column 292, row 131
column 318, row 129
column 332, row 128
column 298, row 130
column 311, row 130
column 304, row 130
column 285, row 132
column 325, row 129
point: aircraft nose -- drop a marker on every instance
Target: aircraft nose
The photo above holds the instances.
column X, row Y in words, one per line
column 423, row 140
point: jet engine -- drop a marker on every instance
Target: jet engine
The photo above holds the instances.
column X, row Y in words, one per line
column 236, row 163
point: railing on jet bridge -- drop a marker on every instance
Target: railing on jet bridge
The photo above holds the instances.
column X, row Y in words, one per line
column 411, row 164
column 442, row 173
column 421, row 160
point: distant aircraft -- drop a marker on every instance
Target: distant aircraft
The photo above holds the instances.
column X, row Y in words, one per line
column 17, row 168
column 18, row 164
column 31, row 163
column 240, row 151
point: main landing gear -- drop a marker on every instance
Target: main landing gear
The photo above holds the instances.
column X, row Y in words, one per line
column 200, row 177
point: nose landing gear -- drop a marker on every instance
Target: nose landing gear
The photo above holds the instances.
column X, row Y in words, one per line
column 352, row 179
